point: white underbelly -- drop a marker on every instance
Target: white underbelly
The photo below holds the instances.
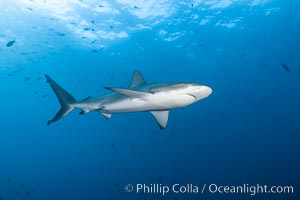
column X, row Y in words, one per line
column 162, row 102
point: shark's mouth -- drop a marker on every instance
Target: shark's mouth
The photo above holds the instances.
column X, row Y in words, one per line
column 193, row 96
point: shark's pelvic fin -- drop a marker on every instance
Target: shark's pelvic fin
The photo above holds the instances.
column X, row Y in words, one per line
column 83, row 111
column 161, row 117
column 130, row 93
column 137, row 79
column 64, row 98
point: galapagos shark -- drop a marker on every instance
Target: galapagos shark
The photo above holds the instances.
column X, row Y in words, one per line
column 156, row 98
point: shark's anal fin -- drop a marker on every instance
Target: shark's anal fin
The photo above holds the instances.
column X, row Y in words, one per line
column 161, row 117
column 137, row 79
column 130, row 93
column 106, row 115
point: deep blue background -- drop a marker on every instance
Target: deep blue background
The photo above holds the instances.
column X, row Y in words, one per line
column 247, row 131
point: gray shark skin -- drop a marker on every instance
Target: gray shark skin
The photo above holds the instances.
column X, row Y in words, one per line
column 156, row 98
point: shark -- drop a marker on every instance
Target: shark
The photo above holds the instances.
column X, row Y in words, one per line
column 156, row 98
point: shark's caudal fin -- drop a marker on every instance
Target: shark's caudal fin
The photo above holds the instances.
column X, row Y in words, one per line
column 64, row 98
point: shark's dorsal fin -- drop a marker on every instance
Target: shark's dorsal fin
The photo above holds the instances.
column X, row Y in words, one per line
column 161, row 117
column 130, row 93
column 137, row 79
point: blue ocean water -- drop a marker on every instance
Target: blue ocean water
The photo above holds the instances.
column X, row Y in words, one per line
column 246, row 132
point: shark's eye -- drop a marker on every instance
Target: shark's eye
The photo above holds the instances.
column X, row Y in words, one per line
column 153, row 90
column 181, row 85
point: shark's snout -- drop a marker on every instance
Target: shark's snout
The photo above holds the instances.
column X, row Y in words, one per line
column 201, row 91
column 207, row 90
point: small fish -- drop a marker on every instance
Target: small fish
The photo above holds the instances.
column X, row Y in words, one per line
column 135, row 7
column 30, row 9
column 92, row 21
column 111, row 27
column 60, row 34
column 68, row 169
column 286, row 67
column 10, row 43
column 202, row 44
column 97, row 50
column 8, row 180
column 26, row 79
column 160, row 178
column 44, row 96
column 21, row 185
column 86, row 29
column 113, row 145
column 31, row 190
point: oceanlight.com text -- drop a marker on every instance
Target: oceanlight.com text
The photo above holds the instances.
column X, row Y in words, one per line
column 247, row 189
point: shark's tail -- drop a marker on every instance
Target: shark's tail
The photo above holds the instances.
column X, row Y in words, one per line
column 64, row 98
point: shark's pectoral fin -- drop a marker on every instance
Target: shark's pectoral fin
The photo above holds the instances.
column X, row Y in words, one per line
column 161, row 118
column 137, row 79
column 130, row 93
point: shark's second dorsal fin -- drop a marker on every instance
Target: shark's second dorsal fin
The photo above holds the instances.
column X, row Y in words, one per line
column 137, row 79
column 86, row 98
column 161, row 117
column 130, row 93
